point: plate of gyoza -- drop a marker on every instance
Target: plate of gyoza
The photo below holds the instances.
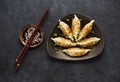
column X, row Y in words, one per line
column 75, row 37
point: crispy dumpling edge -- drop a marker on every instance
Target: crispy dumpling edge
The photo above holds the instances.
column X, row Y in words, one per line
column 65, row 51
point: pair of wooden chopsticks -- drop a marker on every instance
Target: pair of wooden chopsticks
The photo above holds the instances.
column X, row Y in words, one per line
column 26, row 47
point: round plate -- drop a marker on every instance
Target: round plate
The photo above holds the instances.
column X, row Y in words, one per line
column 22, row 37
column 57, row 52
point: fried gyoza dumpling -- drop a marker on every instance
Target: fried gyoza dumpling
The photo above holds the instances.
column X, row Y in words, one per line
column 76, row 51
column 63, row 42
column 88, row 42
column 65, row 30
column 76, row 27
column 86, row 30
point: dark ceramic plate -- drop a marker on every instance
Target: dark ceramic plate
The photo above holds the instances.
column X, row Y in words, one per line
column 56, row 52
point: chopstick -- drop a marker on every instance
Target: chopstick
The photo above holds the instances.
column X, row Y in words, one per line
column 22, row 53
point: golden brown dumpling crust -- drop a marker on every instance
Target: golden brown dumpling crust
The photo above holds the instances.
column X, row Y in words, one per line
column 88, row 42
column 65, row 30
column 86, row 30
column 76, row 24
column 76, row 51
column 63, row 42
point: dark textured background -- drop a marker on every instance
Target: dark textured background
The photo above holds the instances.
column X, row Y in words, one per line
column 38, row 66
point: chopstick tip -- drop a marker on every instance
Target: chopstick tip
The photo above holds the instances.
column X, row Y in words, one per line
column 16, row 66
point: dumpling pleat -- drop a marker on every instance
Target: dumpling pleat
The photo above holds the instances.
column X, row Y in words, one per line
column 88, row 42
column 76, row 51
column 65, row 30
column 76, row 24
column 86, row 30
column 63, row 42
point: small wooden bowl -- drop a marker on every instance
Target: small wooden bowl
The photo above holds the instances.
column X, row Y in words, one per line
column 22, row 36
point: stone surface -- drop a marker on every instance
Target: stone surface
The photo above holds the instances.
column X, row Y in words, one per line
column 38, row 66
